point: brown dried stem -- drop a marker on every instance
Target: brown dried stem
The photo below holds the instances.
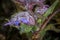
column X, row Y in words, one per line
column 44, row 25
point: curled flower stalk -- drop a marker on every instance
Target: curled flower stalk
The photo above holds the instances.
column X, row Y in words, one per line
column 22, row 17
column 28, row 17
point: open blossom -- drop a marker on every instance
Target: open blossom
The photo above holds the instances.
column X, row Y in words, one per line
column 23, row 17
column 24, row 20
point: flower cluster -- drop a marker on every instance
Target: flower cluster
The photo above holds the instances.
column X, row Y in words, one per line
column 25, row 17
column 22, row 17
column 29, row 4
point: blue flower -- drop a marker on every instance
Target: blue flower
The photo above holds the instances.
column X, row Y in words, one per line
column 17, row 23
column 24, row 20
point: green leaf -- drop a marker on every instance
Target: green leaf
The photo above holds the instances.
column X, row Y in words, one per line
column 51, row 9
column 25, row 28
column 39, row 20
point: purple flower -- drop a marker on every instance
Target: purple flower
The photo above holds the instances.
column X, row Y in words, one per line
column 9, row 23
column 17, row 23
column 12, row 23
column 24, row 20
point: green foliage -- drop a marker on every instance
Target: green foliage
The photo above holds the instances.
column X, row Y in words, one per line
column 25, row 28
column 39, row 20
column 51, row 9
